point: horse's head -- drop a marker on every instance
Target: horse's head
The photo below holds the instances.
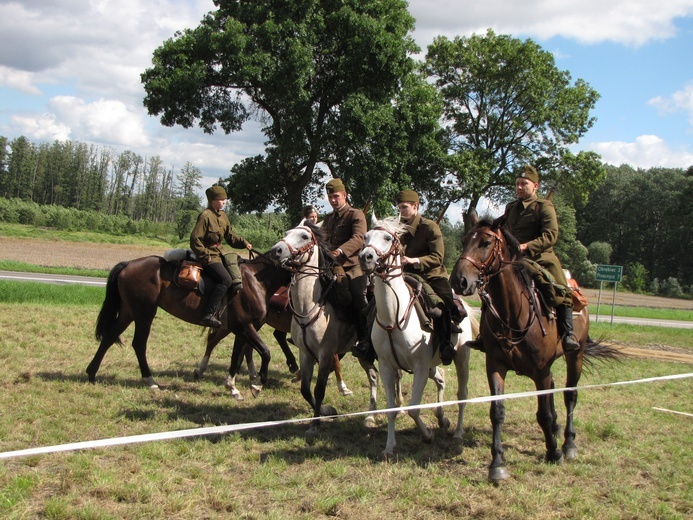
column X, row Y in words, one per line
column 481, row 256
column 382, row 246
column 296, row 248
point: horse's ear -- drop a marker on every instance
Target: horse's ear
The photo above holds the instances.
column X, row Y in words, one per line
column 471, row 219
column 374, row 220
column 302, row 223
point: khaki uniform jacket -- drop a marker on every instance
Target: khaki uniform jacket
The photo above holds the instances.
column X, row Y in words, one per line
column 424, row 240
column 345, row 229
column 212, row 228
column 533, row 222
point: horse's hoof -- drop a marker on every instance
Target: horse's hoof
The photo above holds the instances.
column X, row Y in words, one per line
column 149, row 381
column 428, row 436
column 197, row 375
column 570, row 453
column 555, row 458
column 311, row 435
column 327, row 410
column 458, row 435
column 387, row 456
column 293, row 369
column 297, row 376
column 498, row 474
column 444, row 423
column 236, row 394
column 255, row 390
column 369, row 422
column 344, row 390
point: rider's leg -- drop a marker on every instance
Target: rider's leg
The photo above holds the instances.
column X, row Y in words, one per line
column 443, row 325
column 217, row 271
column 564, row 317
column 358, row 283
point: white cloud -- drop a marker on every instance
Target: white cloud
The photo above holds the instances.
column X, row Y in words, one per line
column 680, row 101
column 630, row 22
column 648, row 151
column 42, row 128
column 18, row 79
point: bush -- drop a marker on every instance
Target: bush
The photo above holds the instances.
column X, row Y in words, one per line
column 635, row 278
column 671, row 288
column 600, row 252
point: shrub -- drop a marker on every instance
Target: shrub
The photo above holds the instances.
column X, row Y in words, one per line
column 600, row 252
column 635, row 277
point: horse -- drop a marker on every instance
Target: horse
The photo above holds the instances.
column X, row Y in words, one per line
column 518, row 335
column 399, row 339
column 318, row 328
column 135, row 289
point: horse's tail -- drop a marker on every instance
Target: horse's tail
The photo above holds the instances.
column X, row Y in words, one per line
column 600, row 351
column 110, row 309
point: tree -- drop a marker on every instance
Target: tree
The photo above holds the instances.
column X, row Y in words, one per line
column 506, row 104
column 600, row 252
column 290, row 64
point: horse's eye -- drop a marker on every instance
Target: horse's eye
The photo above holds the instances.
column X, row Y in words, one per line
column 485, row 243
column 305, row 236
column 388, row 238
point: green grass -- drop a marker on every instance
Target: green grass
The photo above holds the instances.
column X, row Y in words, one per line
column 642, row 312
column 643, row 335
column 12, row 265
column 12, row 292
column 634, row 461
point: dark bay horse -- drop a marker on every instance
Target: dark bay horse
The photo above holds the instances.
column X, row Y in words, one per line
column 518, row 336
column 137, row 288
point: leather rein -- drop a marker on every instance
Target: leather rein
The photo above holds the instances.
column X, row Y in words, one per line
column 296, row 265
column 384, row 269
column 499, row 264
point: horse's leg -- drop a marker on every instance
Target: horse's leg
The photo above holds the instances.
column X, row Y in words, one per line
column 389, row 378
column 325, row 367
column 438, row 377
column 212, row 341
column 248, row 354
column 372, row 374
column 462, row 371
column 253, row 337
column 239, row 348
column 546, row 417
column 340, row 380
column 417, row 389
column 122, row 323
column 496, row 382
column 570, row 397
column 280, row 336
column 143, row 326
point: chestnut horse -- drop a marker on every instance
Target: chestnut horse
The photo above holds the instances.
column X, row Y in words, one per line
column 137, row 288
column 518, row 336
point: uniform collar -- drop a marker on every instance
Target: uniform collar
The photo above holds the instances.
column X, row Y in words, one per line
column 414, row 224
column 527, row 202
column 339, row 213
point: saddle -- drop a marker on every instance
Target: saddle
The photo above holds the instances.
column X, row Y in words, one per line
column 189, row 272
column 428, row 304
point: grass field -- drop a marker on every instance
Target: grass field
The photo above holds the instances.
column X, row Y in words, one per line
column 635, row 461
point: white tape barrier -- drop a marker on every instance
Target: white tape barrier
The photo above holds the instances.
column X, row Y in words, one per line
column 215, row 430
column 672, row 411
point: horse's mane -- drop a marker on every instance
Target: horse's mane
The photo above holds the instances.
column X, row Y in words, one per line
column 392, row 224
column 324, row 247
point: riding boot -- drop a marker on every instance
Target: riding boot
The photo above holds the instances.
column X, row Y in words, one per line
column 443, row 328
column 208, row 319
column 364, row 348
column 564, row 317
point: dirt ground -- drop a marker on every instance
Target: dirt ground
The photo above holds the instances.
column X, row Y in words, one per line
column 104, row 256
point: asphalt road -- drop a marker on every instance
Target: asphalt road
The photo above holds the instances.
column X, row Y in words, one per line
column 604, row 316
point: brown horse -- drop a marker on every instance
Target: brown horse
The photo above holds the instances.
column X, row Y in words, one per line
column 518, row 336
column 137, row 288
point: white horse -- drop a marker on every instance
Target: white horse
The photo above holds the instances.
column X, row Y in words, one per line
column 318, row 328
column 398, row 337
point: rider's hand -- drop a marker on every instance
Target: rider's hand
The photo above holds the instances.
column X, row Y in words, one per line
column 410, row 261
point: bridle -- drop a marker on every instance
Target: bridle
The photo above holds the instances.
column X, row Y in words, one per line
column 294, row 262
column 387, row 270
column 493, row 266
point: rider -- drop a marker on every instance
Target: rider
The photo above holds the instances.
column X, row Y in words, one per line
column 424, row 251
column 345, row 228
column 310, row 214
column 211, row 229
column 532, row 221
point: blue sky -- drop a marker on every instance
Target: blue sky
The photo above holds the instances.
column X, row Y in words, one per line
column 69, row 69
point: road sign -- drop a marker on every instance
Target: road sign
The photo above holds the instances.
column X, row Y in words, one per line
column 609, row 273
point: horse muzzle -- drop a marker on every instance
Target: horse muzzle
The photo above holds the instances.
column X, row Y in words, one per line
column 368, row 259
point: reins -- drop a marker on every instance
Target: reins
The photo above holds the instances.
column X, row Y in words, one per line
column 485, row 275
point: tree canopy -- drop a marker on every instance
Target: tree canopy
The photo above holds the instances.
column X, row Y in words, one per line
column 507, row 104
column 308, row 70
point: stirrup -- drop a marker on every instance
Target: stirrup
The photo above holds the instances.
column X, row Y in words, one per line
column 210, row 321
column 476, row 344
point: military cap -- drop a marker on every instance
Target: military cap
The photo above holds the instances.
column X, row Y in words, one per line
column 528, row 172
column 335, row 185
column 407, row 196
column 215, row 193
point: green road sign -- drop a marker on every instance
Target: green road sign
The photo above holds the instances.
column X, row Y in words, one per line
column 609, row 273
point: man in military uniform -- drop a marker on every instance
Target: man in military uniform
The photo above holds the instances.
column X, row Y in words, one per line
column 532, row 221
column 212, row 228
column 345, row 228
column 424, row 251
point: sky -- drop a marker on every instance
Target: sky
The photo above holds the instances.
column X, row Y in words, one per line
column 70, row 69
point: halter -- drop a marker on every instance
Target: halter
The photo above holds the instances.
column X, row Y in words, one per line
column 292, row 263
column 382, row 266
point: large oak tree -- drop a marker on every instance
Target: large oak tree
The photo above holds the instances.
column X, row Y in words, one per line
column 303, row 68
